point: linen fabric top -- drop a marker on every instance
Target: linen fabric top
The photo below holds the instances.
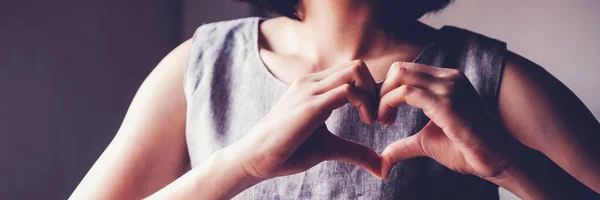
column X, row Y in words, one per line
column 229, row 89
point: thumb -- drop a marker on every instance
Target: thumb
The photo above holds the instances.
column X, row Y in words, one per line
column 406, row 148
column 355, row 153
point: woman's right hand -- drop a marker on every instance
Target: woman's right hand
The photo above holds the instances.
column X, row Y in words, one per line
column 293, row 137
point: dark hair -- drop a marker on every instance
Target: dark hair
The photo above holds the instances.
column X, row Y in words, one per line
column 391, row 13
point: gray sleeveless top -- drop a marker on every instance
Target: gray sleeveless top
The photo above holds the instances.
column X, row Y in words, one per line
column 228, row 90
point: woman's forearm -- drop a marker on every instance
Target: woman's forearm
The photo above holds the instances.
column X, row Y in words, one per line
column 517, row 181
column 217, row 178
column 532, row 176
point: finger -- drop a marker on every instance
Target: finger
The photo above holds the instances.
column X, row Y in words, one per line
column 431, row 70
column 413, row 74
column 445, row 74
column 346, row 93
column 356, row 74
column 354, row 153
column 438, row 108
column 329, row 71
column 413, row 96
column 314, row 150
column 400, row 150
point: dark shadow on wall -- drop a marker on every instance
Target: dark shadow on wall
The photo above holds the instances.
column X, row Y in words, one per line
column 198, row 12
column 68, row 71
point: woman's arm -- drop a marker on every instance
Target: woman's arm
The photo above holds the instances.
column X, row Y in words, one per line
column 218, row 177
column 542, row 113
column 465, row 136
column 149, row 150
column 290, row 139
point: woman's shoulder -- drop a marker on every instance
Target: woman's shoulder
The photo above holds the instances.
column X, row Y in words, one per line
column 219, row 46
column 454, row 32
column 225, row 31
column 469, row 43
column 223, row 40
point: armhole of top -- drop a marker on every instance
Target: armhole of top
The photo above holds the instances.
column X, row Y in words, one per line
column 192, row 73
column 498, row 82
column 498, row 49
column 495, row 61
column 208, row 43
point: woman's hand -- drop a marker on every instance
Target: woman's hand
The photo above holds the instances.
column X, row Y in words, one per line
column 461, row 135
column 292, row 137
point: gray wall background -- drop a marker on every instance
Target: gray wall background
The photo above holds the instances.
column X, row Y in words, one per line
column 68, row 71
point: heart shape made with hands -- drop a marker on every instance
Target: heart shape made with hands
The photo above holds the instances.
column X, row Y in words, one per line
column 449, row 136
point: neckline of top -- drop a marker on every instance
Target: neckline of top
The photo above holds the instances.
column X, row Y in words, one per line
column 256, row 51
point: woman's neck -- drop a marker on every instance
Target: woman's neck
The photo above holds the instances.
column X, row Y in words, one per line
column 337, row 31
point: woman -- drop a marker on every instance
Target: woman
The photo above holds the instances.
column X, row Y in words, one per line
column 267, row 109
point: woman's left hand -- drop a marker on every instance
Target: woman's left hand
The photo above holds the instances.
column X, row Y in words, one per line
column 462, row 134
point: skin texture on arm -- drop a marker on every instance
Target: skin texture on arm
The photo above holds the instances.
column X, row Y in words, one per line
column 543, row 114
column 290, row 139
column 149, row 150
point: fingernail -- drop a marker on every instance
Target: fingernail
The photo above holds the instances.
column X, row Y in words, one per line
column 388, row 119
column 394, row 65
column 385, row 124
column 381, row 119
column 388, row 122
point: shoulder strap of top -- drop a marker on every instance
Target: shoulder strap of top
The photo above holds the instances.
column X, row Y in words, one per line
column 215, row 47
column 479, row 57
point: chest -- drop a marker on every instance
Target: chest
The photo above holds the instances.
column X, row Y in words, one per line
column 218, row 118
column 289, row 68
column 230, row 100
